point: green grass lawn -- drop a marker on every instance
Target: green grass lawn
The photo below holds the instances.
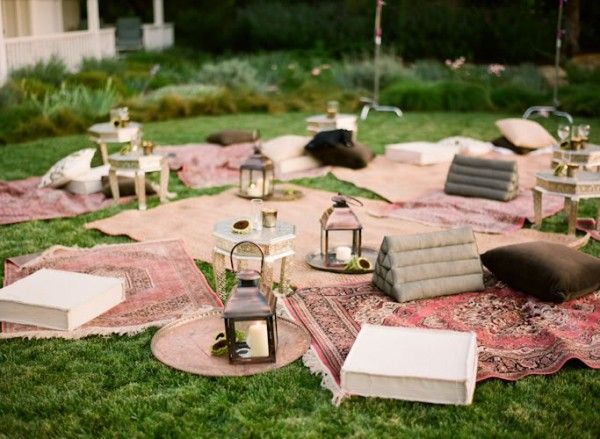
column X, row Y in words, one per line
column 112, row 386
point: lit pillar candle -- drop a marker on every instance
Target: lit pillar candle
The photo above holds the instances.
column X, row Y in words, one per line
column 258, row 340
column 343, row 254
column 256, row 188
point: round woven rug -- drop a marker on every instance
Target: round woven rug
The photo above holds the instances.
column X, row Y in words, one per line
column 185, row 345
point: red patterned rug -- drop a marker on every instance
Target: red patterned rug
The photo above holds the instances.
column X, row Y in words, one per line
column 486, row 216
column 161, row 280
column 517, row 335
column 589, row 225
column 22, row 200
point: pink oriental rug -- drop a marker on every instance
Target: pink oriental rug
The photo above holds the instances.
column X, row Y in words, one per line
column 22, row 200
column 162, row 283
column 486, row 216
column 517, row 335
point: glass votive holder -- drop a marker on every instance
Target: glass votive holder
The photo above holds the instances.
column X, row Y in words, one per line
column 269, row 217
column 257, row 205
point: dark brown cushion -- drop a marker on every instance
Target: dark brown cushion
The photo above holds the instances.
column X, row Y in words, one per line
column 549, row 271
column 229, row 137
column 503, row 142
column 126, row 187
column 336, row 148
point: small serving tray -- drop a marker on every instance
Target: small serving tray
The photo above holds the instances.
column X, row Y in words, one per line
column 317, row 261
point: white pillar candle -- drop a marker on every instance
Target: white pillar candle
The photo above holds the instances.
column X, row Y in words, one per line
column 258, row 340
column 343, row 254
column 255, row 189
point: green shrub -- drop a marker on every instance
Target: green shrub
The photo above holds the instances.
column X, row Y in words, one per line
column 52, row 71
column 232, row 73
column 581, row 99
column 82, row 100
column 111, row 66
column 184, row 91
column 430, row 70
column 516, row 98
column 413, row 96
column 359, row 73
column 580, row 74
column 464, row 96
column 13, row 117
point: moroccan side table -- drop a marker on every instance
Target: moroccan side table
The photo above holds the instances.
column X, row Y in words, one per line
column 316, row 124
column 276, row 244
column 583, row 185
column 588, row 157
column 139, row 164
column 104, row 133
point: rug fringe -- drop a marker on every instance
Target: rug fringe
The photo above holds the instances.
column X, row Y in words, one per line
column 314, row 364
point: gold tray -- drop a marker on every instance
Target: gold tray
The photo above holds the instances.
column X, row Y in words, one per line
column 317, row 261
column 186, row 343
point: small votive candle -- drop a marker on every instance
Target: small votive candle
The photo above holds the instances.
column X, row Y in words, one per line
column 269, row 217
column 343, row 254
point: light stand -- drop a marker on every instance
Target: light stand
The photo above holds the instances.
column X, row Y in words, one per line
column 546, row 110
column 373, row 104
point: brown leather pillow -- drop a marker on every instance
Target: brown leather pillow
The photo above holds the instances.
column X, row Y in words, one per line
column 336, row 148
column 551, row 272
column 229, row 137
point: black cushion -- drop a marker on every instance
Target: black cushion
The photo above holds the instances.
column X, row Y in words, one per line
column 551, row 272
column 503, row 142
column 336, row 148
column 229, row 137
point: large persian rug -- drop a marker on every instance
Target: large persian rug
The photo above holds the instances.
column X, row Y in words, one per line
column 590, row 226
column 517, row 335
column 162, row 283
column 206, row 165
column 22, row 200
column 488, row 216
column 396, row 181
column 193, row 220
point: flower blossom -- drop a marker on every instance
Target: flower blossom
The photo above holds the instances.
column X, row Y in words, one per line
column 496, row 69
column 456, row 64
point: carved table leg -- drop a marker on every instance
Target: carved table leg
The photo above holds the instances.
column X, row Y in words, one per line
column 284, row 282
column 103, row 152
column 267, row 282
column 537, row 208
column 219, row 273
column 140, row 189
column 572, row 218
column 114, row 184
column 164, row 180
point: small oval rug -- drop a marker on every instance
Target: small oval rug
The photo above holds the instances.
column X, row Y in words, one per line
column 185, row 345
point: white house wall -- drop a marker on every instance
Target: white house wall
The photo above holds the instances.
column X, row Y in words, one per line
column 46, row 17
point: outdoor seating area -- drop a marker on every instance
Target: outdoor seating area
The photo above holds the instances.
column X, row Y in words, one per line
column 291, row 259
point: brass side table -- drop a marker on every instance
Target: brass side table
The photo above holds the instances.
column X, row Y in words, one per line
column 104, row 133
column 139, row 164
column 583, row 185
column 276, row 244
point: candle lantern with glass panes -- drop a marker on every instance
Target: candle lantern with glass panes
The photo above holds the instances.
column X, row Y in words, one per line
column 257, row 175
column 250, row 322
column 340, row 229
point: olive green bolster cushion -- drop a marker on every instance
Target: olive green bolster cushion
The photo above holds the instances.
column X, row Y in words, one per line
column 482, row 178
column 428, row 265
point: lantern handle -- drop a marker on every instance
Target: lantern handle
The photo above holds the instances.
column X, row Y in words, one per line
column 348, row 198
column 262, row 255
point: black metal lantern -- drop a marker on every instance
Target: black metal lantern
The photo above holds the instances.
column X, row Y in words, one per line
column 341, row 221
column 250, row 322
column 257, row 175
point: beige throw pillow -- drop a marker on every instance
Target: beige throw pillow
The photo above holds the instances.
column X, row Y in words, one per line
column 525, row 133
column 68, row 168
column 285, row 147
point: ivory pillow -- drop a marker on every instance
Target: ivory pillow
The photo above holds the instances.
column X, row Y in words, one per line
column 525, row 133
column 285, row 147
column 67, row 168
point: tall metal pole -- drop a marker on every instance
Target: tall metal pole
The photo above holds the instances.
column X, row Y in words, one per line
column 559, row 32
column 378, row 9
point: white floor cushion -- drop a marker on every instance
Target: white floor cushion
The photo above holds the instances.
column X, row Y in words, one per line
column 296, row 164
column 421, row 153
column 89, row 182
column 285, row 147
column 415, row 364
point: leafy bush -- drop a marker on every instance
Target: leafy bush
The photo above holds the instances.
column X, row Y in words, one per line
column 581, row 99
column 112, row 66
column 184, row 91
column 430, row 70
column 82, row 100
column 52, row 71
column 516, row 98
column 232, row 73
column 359, row 73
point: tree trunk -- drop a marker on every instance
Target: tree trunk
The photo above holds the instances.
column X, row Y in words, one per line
column 572, row 27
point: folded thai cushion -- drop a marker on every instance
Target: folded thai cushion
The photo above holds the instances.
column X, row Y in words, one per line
column 549, row 271
column 428, row 265
column 483, row 178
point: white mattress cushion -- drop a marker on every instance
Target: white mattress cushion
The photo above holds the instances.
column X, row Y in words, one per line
column 89, row 182
column 296, row 164
column 421, row 153
column 415, row 364
column 285, row 147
